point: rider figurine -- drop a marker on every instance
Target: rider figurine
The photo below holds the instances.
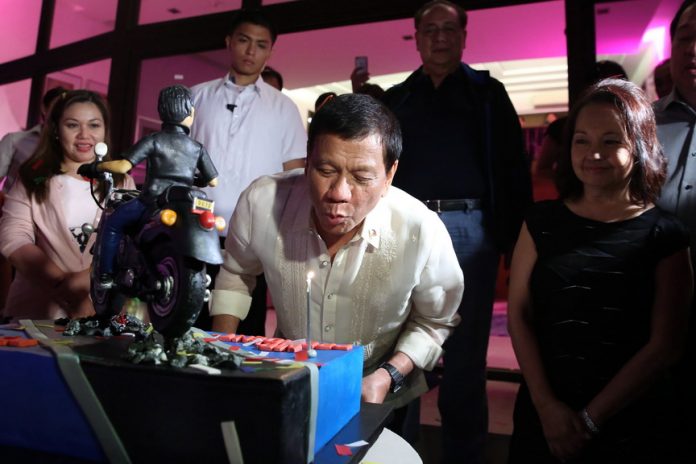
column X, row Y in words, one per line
column 172, row 159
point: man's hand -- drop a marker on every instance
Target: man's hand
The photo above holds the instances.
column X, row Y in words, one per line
column 376, row 386
column 358, row 78
column 225, row 323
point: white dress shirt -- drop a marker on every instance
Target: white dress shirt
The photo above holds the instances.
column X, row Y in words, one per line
column 676, row 122
column 263, row 131
column 15, row 149
column 395, row 286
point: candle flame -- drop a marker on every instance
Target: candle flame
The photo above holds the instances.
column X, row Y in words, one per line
column 310, row 274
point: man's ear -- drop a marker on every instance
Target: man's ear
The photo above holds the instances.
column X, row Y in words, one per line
column 391, row 172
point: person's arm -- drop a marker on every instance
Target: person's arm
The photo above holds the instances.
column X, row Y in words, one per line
column 294, row 164
column 564, row 430
column 668, row 326
column 358, row 78
column 121, row 166
column 433, row 314
column 293, row 138
column 70, row 290
column 33, row 263
column 206, row 168
column 376, row 385
column 231, row 298
column 7, row 151
column 67, row 289
column 511, row 170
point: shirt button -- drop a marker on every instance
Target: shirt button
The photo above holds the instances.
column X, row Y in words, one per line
column 330, row 296
column 324, row 264
column 693, row 153
column 688, row 187
column 328, row 328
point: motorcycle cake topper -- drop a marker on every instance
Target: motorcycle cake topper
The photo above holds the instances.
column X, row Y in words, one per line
column 155, row 244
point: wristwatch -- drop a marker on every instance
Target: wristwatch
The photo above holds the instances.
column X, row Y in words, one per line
column 397, row 378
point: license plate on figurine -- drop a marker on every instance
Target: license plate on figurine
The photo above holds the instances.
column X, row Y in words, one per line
column 200, row 205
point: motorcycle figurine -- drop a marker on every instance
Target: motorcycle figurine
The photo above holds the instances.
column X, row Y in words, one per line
column 155, row 245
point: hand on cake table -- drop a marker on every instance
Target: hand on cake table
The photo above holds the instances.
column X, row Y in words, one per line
column 389, row 376
column 376, row 386
column 72, row 294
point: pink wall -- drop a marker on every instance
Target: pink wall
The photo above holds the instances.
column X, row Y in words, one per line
column 19, row 25
column 14, row 102
column 159, row 72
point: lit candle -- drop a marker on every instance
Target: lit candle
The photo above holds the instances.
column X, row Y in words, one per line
column 310, row 352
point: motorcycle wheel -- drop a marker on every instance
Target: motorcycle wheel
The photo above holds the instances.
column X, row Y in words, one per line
column 177, row 304
column 107, row 302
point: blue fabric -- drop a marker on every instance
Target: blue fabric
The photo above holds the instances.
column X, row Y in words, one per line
column 39, row 411
column 124, row 216
column 462, row 400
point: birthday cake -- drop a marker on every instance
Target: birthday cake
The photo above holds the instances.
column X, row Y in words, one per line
column 79, row 397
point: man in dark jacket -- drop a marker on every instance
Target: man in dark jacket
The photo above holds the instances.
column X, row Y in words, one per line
column 464, row 157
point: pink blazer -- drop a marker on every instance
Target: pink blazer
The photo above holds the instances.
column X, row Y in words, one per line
column 25, row 221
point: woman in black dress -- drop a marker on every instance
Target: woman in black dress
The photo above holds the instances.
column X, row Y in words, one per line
column 600, row 284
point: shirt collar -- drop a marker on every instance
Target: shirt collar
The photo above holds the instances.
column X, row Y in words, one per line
column 256, row 85
column 374, row 223
column 672, row 99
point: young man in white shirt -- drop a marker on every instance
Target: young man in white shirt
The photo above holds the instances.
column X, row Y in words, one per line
column 249, row 128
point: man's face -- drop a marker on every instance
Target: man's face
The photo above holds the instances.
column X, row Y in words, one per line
column 440, row 39
column 346, row 180
column 250, row 47
column 683, row 61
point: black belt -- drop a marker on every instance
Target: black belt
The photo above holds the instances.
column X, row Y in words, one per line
column 463, row 204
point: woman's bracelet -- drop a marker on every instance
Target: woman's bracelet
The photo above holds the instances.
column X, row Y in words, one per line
column 589, row 423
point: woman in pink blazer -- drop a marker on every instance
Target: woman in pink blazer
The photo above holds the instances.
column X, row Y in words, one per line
column 41, row 229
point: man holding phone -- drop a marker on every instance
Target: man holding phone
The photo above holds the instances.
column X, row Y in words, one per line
column 463, row 156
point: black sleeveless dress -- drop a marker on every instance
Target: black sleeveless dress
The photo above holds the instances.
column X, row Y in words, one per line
column 592, row 291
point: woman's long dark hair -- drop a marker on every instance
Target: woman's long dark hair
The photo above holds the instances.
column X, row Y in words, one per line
column 45, row 163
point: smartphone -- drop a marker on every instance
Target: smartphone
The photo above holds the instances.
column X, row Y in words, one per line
column 361, row 62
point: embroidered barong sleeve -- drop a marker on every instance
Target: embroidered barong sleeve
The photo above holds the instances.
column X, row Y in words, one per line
column 434, row 299
column 237, row 277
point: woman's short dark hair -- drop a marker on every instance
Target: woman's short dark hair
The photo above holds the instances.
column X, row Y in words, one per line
column 638, row 120
column 354, row 117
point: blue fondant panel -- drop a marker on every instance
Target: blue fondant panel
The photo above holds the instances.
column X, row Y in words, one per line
column 38, row 410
